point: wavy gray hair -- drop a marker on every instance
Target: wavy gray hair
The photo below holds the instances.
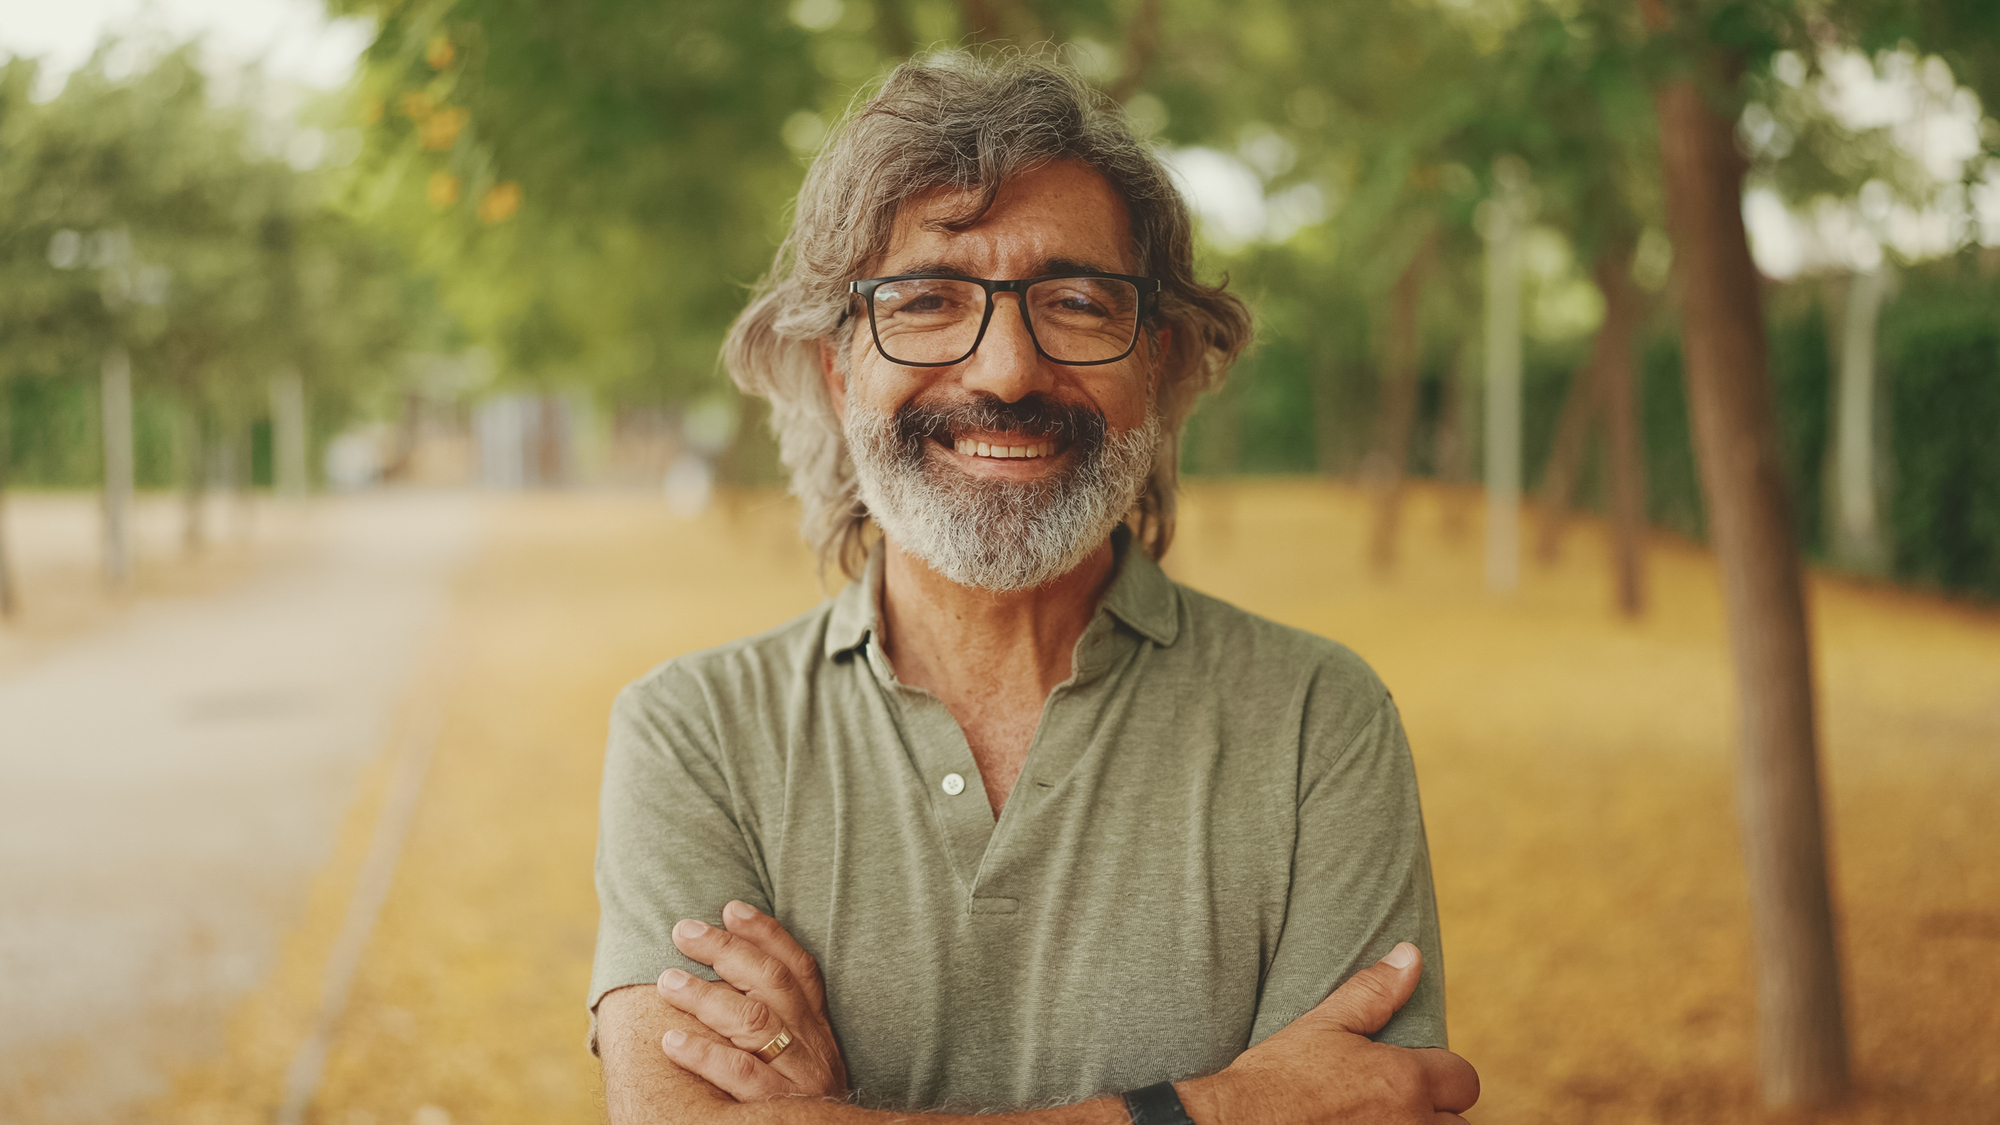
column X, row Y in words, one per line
column 957, row 121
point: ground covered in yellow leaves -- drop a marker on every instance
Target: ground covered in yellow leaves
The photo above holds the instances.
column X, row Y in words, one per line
column 1576, row 772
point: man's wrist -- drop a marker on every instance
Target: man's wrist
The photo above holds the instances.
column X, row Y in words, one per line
column 1202, row 1098
column 1158, row 1104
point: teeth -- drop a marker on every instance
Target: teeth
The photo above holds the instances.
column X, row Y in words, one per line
column 972, row 448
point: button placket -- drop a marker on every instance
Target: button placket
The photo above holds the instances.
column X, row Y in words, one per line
column 937, row 749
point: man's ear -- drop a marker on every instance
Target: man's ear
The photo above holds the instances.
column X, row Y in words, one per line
column 836, row 383
column 1161, row 351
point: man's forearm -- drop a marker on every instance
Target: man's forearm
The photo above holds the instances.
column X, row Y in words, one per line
column 819, row 1111
column 643, row 1087
column 1320, row 1067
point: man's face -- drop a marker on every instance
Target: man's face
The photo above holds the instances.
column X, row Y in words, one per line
column 1066, row 449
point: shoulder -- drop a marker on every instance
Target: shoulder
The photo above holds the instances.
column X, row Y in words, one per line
column 1250, row 646
column 730, row 679
column 1254, row 658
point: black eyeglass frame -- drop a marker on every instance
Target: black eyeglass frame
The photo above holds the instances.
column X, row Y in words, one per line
column 1149, row 300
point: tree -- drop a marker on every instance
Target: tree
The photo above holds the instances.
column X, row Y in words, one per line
column 149, row 239
column 1802, row 1036
column 1569, row 98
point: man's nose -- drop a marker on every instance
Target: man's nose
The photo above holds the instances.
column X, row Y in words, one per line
column 1006, row 364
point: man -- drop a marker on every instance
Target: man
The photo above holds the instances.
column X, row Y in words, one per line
column 1014, row 823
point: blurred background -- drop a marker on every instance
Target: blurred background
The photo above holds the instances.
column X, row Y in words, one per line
column 362, row 431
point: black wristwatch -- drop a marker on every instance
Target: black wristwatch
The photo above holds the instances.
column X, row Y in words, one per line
column 1156, row 1105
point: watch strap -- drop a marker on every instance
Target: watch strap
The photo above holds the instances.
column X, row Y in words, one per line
column 1157, row 1104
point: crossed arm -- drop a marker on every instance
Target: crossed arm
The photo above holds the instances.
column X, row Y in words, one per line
column 682, row 1050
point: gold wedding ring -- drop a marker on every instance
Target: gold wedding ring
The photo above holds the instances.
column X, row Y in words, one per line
column 769, row 1052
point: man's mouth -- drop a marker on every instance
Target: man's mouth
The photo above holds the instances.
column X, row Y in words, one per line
column 985, row 429
column 1019, row 448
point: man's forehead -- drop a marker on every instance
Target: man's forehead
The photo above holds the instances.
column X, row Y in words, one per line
column 1059, row 213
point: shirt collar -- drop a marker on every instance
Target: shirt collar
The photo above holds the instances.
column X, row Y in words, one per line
column 855, row 608
column 1141, row 596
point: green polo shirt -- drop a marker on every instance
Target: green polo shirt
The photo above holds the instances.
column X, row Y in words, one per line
column 1216, row 824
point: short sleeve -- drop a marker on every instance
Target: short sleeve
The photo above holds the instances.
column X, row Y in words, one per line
column 1361, row 875
column 671, row 843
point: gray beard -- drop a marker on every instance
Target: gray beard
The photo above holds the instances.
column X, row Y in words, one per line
column 998, row 535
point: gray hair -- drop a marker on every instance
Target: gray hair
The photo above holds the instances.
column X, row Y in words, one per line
column 957, row 121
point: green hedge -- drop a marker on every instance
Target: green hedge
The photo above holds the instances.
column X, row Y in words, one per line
column 1939, row 372
column 1941, row 357
column 53, row 439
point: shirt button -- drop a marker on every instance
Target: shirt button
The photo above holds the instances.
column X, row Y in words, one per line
column 953, row 784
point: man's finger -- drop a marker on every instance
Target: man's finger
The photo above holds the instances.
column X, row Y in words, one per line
column 739, row 1074
column 1454, row 1084
column 1368, row 998
column 736, row 960
column 749, row 1023
column 745, row 920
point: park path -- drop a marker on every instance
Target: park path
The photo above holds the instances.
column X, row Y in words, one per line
column 171, row 780
column 1576, row 771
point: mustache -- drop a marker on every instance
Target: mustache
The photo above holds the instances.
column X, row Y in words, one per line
column 1035, row 415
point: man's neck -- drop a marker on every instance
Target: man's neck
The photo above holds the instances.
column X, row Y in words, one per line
column 992, row 658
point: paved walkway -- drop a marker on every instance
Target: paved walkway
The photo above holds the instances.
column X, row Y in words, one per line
column 170, row 782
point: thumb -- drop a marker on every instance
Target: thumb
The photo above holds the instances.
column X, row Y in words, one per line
column 1368, row 998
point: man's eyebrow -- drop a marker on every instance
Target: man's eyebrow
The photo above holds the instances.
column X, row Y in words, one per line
column 944, row 267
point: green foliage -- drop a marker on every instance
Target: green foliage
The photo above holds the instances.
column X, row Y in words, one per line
column 53, row 439
column 596, row 184
column 1941, row 354
column 137, row 213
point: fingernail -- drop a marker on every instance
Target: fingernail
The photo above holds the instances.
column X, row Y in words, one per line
column 690, row 928
column 741, row 911
column 1401, row 957
column 676, row 1037
column 674, row 978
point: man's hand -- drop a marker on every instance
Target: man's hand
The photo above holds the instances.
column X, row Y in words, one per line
column 769, row 984
column 1323, row 1066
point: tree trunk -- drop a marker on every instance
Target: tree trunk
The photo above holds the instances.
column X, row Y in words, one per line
column 1142, row 42
column 1398, row 411
column 1857, row 537
column 1801, row 1034
column 116, row 405
column 1454, row 441
column 288, row 435
column 232, row 463
column 9, row 599
column 1503, row 376
column 1624, row 445
column 1222, row 456
column 1581, row 406
column 980, row 24
column 193, row 443
column 1327, row 417
column 892, row 26
column 1604, row 392
column 989, row 21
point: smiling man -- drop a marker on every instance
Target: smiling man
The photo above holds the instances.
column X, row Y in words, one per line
column 1015, row 823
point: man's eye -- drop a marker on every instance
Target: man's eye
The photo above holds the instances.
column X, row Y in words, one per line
column 918, row 301
column 1074, row 303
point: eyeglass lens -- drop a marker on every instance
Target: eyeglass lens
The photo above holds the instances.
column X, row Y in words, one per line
column 1075, row 319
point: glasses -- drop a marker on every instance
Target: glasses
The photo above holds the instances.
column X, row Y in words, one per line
column 1076, row 319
